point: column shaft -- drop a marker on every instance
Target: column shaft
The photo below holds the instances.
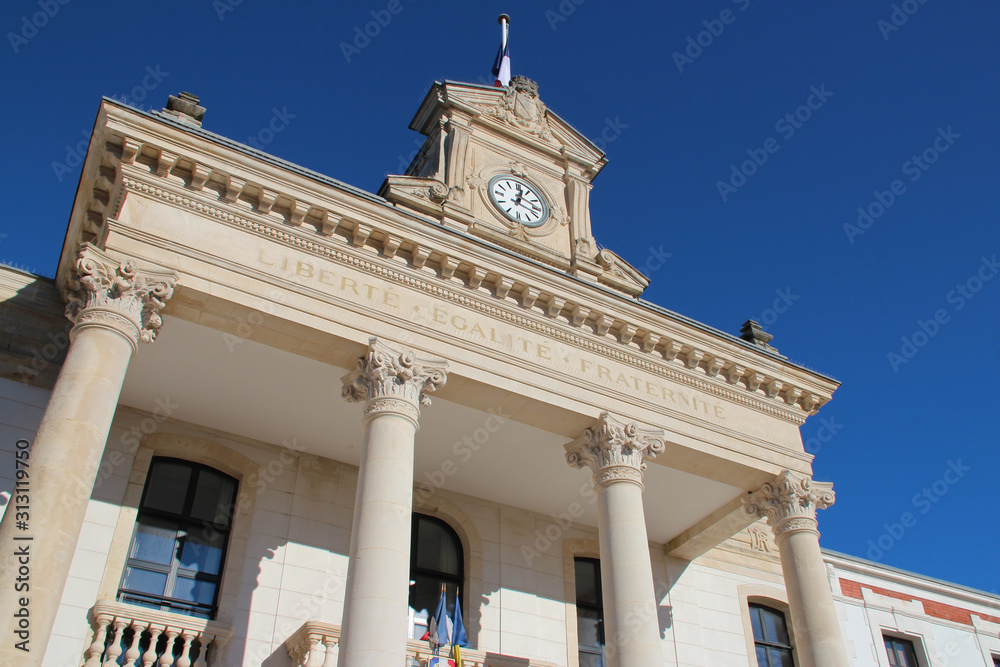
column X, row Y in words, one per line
column 815, row 625
column 392, row 384
column 615, row 449
column 64, row 458
column 789, row 503
column 374, row 628
column 114, row 306
column 632, row 633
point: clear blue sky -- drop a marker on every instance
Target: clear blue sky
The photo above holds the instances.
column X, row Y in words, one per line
column 924, row 87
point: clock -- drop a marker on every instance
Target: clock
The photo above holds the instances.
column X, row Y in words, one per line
column 519, row 200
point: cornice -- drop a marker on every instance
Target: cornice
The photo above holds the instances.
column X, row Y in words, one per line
column 554, row 304
column 884, row 573
column 487, row 284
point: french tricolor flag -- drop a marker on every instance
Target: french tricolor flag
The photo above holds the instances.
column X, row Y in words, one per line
column 501, row 66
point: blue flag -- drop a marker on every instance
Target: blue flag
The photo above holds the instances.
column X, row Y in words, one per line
column 439, row 624
column 458, row 637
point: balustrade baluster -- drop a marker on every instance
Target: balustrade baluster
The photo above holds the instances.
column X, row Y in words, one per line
column 331, row 655
column 203, row 643
column 133, row 653
column 149, row 657
column 167, row 657
column 115, row 649
column 184, row 660
column 96, row 649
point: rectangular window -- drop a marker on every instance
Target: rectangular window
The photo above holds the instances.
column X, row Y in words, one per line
column 771, row 640
column 900, row 651
column 589, row 612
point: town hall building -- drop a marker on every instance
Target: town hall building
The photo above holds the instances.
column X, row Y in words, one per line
column 262, row 417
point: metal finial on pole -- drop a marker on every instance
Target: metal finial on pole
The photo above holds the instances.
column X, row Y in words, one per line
column 504, row 21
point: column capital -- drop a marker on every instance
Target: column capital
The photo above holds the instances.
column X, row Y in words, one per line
column 615, row 448
column 117, row 295
column 790, row 501
column 390, row 379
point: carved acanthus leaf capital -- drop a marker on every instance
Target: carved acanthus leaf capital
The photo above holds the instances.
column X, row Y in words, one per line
column 392, row 377
column 109, row 292
column 790, row 502
column 615, row 449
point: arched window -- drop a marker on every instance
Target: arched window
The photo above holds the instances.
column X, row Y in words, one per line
column 589, row 612
column 435, row 558
column 770, row 637
column 178, row 548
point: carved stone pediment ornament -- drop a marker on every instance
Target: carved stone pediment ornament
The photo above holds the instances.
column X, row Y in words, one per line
column 609, row 261
column 388, row 379
column 521, row 107
column 790, row 502
column 438, row 192
column 615, row 449
column 117, row 294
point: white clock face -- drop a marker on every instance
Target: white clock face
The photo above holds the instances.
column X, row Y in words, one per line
column 519, row 201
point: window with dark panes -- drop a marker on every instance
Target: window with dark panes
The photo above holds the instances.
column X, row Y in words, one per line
column 436, row 560
column 900, row 652
column 770, row 637
column 589, row 612
column 179, row 545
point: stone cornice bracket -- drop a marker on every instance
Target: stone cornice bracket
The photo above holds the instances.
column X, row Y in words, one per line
column 394, row 381
column 106, row 292
column 789, row 503
column 615, row 449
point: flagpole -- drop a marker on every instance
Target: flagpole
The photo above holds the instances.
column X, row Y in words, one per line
column 504, row 21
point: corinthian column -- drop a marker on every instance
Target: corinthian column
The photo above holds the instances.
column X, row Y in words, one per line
column 392, row 384
column 615, row 450
column 789, row 503
column 114, row 305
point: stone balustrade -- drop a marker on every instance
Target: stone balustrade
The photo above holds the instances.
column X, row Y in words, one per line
column 315, row 644
column 134, row 636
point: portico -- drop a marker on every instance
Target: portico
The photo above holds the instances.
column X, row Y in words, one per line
column 527, row 338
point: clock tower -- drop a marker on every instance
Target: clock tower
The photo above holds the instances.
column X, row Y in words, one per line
column 498, row 164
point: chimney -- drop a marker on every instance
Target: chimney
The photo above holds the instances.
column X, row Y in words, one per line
column 752, row 333
column 184, row 109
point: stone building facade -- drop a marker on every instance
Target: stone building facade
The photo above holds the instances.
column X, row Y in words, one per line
column 284, row 414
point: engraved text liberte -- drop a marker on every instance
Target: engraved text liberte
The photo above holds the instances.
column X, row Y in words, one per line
column 441, row 315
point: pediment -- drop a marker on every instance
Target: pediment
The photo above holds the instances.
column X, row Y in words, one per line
column 477, row 134
column 516, row 111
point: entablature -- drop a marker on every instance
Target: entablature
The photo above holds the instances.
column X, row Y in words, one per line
column 143, row 156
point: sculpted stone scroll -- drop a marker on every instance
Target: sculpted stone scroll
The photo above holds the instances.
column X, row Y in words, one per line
column 116, row 294
column 615, row 449
column 790, row 502
column 388, row 379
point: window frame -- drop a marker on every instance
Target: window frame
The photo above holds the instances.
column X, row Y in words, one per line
column 759, row 607
column 915, row 646
column 459, row 579
column 183, row 522
column 598, row 607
